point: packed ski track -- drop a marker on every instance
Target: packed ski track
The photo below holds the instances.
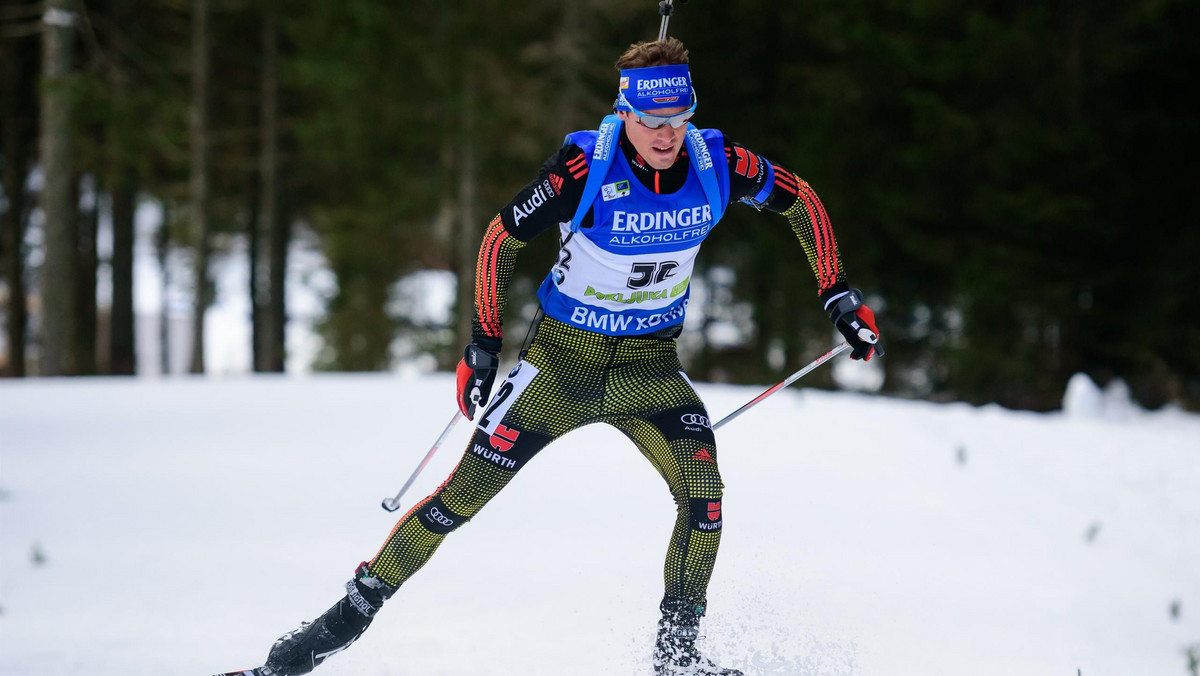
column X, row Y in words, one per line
column 179, row 526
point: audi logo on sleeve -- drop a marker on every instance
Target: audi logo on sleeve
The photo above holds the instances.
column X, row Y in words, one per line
column 692, row 421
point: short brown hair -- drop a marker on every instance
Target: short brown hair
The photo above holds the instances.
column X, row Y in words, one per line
column 657, row 53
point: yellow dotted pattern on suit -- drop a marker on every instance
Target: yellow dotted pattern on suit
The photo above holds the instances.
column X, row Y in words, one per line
column 691, row 552
column 410, row 545
column 634, row 384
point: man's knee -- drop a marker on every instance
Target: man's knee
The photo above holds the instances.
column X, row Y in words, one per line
column 698, row 471
column 437, row 517
column 705, row 514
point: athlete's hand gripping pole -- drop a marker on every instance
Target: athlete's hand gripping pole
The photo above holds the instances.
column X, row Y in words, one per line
column 392, row 504
column 856, row 322
column 779, row 386
column 475, row 375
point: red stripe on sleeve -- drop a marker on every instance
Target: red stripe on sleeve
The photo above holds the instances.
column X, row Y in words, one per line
column 785, row 179
column 487, row 279
column 480, row 279
column 578, row 166
column 494, row 281
column 829, row 253
column 819, row 235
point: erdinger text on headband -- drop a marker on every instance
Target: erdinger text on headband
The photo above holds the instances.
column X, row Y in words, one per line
column 654, row 88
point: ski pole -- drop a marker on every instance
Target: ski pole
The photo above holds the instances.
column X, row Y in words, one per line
column 666, row 9
column 392, row 504
column 779, row 386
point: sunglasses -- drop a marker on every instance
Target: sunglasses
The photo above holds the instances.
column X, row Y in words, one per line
column 676, row 121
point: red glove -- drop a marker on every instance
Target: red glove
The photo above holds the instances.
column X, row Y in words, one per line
column 476, row 375
column 856, row 322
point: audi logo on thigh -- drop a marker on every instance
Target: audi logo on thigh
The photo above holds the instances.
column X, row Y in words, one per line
column 694, row 419
column 436, row 515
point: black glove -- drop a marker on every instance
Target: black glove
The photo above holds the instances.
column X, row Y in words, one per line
column 855, row 321
column 476, row 375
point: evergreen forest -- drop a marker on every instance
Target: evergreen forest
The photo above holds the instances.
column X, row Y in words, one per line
column 1006, row 181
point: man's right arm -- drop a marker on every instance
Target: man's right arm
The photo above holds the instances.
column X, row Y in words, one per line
column 544, row 203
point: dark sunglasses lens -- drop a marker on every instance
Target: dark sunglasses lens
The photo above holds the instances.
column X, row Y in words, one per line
column 653, row 121
column 680, row 120
column 656, row 121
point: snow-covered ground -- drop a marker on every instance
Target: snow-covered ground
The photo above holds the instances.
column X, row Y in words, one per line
column 179, row 526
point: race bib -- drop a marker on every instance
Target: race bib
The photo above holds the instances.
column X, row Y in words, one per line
column 512, row 387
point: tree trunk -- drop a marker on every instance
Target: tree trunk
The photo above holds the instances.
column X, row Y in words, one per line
column 17, row 119
column 272, row 349
column 122, row 351
column 163, row 250
column 121, row 184
column 254, row 238
column 199, row 183
column 58, row 289
column 470, row 233
column 569, row 47
column 281, row 235
column 86, row 262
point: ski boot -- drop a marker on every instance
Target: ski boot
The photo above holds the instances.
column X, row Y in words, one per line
column 300, row 651
column 675, row 652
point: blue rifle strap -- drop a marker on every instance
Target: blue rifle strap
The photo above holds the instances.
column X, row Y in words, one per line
column 602, row 157
column 702, row 162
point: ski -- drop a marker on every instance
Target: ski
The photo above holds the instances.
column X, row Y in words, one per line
column 261, row 671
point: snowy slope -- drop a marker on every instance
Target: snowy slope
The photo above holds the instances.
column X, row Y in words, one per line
column 178, row 527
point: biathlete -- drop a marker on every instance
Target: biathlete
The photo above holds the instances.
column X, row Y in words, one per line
column 631, row 203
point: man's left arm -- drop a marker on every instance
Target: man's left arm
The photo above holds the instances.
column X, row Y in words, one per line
column 764, row 185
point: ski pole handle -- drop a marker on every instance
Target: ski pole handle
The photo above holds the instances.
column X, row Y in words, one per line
column 779, row 386
column 392, row 504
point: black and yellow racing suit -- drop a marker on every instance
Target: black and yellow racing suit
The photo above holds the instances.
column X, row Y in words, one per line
column 574, row 377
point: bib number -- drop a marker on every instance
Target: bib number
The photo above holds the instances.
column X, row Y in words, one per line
column 512, row 387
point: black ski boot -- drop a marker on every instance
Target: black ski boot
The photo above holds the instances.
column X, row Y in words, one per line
column 675, row 652
column 300, row 651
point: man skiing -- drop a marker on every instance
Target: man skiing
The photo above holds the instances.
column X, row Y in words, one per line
column 631, row 202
